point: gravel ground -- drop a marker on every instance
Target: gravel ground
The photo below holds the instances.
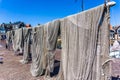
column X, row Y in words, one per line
column 12, row 69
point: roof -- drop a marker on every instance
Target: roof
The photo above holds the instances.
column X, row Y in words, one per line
column 111, row 28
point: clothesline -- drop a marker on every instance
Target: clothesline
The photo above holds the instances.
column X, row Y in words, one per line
column 85, row 45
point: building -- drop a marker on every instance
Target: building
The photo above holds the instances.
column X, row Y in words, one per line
column 114, row 34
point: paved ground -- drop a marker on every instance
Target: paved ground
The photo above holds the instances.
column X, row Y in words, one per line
column 12, row 69
column 115, row 67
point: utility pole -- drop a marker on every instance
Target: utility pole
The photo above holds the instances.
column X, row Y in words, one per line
column 82, row 4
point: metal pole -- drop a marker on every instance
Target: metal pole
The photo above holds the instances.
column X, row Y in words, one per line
column 82, row 5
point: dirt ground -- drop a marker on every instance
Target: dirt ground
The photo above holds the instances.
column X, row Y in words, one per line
column 12, row 69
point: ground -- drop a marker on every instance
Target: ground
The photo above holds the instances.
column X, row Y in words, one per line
column 12, row 69
column 115, row 67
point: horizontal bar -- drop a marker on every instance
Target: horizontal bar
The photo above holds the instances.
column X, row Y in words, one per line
column 112, row 3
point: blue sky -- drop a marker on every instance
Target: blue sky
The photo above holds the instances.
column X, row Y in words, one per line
column 42, row 11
